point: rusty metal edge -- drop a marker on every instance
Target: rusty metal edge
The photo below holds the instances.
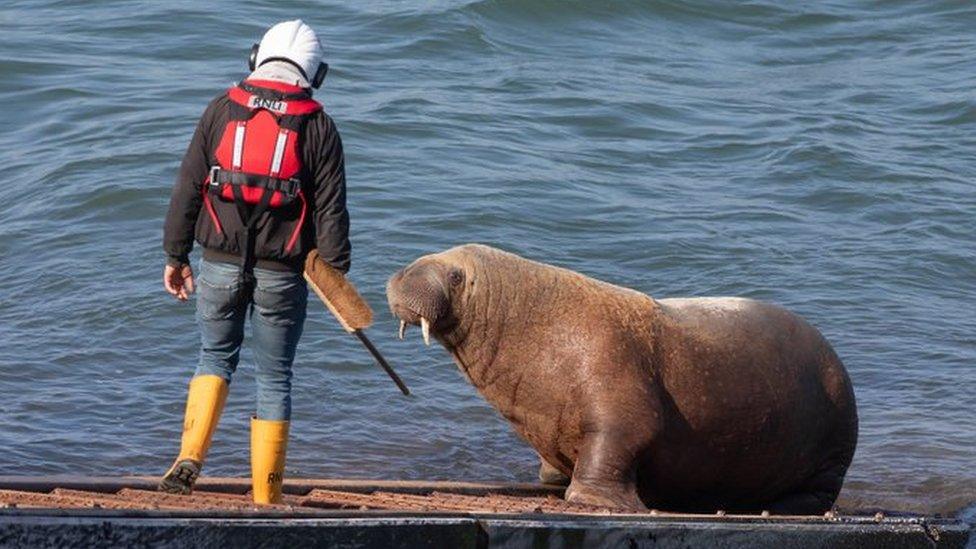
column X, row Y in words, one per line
column 227, row 514
column 322, row 513
column 298, row 486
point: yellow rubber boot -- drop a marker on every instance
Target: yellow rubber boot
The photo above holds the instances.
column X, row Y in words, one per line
column 269, row 440
column 204, row 403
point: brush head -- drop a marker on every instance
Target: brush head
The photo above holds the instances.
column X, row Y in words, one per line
column 338, row 294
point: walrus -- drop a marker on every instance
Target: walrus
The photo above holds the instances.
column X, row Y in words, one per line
column 691, row 404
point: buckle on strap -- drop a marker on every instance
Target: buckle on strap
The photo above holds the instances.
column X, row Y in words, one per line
column 289, row 187
column 214, row 186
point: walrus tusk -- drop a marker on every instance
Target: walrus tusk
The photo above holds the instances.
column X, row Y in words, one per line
column 425, row 328
column 403, row 329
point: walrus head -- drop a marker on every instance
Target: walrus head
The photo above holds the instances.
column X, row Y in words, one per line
column 432, row 292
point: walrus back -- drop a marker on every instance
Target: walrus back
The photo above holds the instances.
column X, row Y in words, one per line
column 728, row 341
column 573, row 287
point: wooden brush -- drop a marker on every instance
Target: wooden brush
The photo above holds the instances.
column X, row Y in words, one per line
column 346, row 305
column 338, row 294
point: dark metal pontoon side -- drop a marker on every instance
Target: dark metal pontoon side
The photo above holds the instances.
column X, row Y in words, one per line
column 103, row 512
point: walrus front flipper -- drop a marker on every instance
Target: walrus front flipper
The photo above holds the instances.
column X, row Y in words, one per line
column 550, row 474
column 605, row 473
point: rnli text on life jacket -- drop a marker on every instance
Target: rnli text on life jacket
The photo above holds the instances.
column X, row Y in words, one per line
column 272, row 105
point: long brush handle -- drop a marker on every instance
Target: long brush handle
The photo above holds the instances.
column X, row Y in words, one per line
column 382, row 361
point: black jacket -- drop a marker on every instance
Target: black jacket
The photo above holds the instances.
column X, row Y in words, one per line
column 326, row 226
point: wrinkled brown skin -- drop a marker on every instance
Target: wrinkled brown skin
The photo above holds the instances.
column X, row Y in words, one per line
column 677, row 404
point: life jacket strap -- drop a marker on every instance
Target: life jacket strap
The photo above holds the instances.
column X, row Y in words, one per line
column 288, row 187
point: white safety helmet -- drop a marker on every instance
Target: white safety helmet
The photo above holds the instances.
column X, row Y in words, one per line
column 293, row 42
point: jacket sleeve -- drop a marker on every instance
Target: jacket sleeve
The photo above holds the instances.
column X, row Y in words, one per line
column 185, row 200
column 329, row 179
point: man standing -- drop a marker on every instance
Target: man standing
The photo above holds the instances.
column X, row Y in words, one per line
column 262, row 184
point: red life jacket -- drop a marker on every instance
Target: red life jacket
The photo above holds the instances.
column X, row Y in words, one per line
column 258, row 157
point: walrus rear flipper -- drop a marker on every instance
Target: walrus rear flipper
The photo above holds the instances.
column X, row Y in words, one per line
column 814, row 497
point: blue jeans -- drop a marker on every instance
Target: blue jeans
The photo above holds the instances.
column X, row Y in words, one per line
column 276, row 326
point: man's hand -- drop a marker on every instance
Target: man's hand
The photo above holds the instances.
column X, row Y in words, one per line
column 178, row 281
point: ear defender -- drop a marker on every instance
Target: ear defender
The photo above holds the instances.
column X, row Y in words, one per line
column 252, row 60
column 320, row 75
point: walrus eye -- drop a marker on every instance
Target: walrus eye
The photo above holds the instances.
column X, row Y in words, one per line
column 456, row 277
